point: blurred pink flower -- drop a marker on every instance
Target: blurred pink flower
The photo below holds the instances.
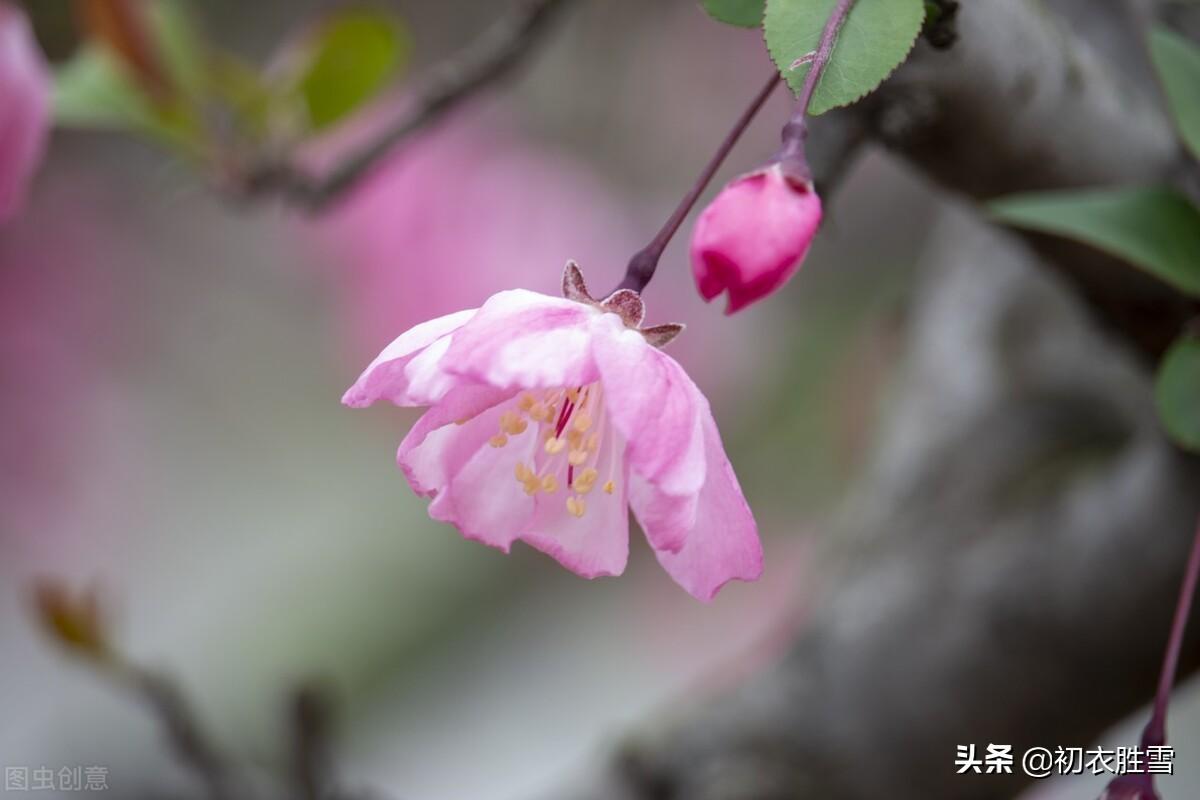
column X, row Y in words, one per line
column 24, row 107
column 571, row 394
column 459, row 214
column 754, row 236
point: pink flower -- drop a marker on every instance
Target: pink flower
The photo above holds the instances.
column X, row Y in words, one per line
column 754, row 236
column 549, row 418
column 24, row 107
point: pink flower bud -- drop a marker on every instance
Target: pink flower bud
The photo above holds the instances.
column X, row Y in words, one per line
column 754, row 236
column 1134, row 786
column 24, row 107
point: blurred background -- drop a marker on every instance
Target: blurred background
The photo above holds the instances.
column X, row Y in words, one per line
column 172, row 363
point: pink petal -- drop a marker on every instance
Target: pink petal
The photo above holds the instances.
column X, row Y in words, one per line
column 24, row 108
column 521, row 339
column 408, row 371
column 436, row 448
column 753, row 237
column 656, row 408
column 723, row 545
column 594, row 545
column 481, row 496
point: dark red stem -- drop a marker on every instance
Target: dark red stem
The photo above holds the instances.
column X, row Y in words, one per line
column 645, row 261
column 1156, row 729
column 792, row 157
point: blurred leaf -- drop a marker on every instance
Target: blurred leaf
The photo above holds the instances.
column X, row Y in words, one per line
column 241, row 87
column 124, row 28
column 875, row 39
column 1155, row 229
column 92, row 91
column 1178, row 63
column 354, row 54
column 75, row 621
column 1177, row 391
column 746, row 13
column 181, row 44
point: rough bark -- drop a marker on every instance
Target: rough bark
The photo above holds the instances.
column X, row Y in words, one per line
column 1024, row 103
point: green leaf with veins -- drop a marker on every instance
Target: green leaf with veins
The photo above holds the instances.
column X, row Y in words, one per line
column 875, row 38
column 746, row 13
column 1156, row 228
column 1177, row 391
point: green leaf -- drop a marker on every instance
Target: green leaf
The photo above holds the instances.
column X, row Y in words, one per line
column 354, row 54
column 1177, row 391
column 875, row 39
column 1155, row 229
column 1178, row 63
column 92, row 91
column 746, row 13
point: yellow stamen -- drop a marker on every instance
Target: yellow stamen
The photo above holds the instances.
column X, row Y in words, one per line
column 549, row 484
column 555, row 445
column 511, row 423
column 577, row 457
column 575, row 439
column 523, row 472
column 593, row 442
column 581, row 421
column 499, row 440
column 532, row 485
column 576, row 506
column 609, row 487
column 573, row 395
column 526, row 402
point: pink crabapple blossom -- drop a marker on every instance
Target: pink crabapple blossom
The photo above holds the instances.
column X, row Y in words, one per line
column 753, row 237
column 24, row 107
column 549, row 418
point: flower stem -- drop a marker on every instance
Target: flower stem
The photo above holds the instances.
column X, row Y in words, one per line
column 792, row 156
column 645, row 261
column 1156, row 729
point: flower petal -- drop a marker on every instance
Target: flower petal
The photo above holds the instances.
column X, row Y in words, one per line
column 481, row 497
column 593, row 545
column 656, row 408
column 723, row 544
column 436, row 448
column 522, row 339
column 408, row 371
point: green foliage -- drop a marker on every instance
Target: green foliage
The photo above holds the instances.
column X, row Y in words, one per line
column 1156, row 229
column 352, row 56
column 95, row 90
column 875, row 39
column 1178, row 63
column 746, row 13
column 1177, row 392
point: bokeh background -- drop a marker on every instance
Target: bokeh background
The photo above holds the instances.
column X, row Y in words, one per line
column 171, row 364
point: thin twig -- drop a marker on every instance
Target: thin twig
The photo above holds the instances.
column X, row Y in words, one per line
column 489, row 59
column 645, row 261
column 1156, row 728
column 185, row 735
column 792, row 157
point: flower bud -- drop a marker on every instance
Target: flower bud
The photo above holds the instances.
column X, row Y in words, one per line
column 754, row 236
column 1134, row 786
column 24, row 107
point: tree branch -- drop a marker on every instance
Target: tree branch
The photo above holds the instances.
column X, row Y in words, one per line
column 488, row 60
column 1024, row 519
column 1023, row 103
